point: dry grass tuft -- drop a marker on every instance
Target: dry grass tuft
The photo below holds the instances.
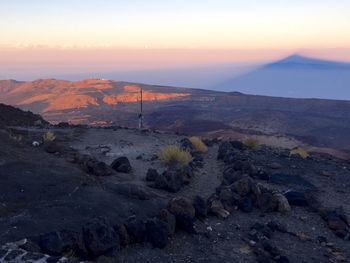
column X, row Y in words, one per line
column 49, row 137
column 173, row 153
column 299, row 151
column 198, row 144
column 252, row 143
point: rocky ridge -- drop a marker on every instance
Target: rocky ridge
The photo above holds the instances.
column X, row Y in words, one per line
column 117, row 204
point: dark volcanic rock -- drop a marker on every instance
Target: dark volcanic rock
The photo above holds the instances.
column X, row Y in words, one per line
column 200, row 205
column 173, row 178
column 136, row 229
column 169, row 219
column 170, row 180
column 217, row 208
column 93, row 166
column 100, row 238
column 11, row 116
column 123, row 235
column 238, row 145
column 224, row 149
column 157, row 232
column 197, row 160
column 337, row 222
column 152, row 175
column 187, row 145
column 29, row 257
column 122, row 165
column 246, row 204
column 13, row 255
column 267, row 202
column 53, row 147
column 58, row 242
column 184, row 213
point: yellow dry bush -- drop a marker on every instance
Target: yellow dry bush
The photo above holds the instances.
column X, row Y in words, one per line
column 299, row 151
column 49, row 137
column 173, row 153
column 198, row 144
column 252, row 143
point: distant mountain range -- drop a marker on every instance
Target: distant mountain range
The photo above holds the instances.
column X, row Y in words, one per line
column 284, row 122
column 297, row 77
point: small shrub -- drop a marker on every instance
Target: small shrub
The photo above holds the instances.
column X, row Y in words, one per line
column 49, row 137
column 252, row 143
column 299, row 151
column 198, row 144
column 173, row 153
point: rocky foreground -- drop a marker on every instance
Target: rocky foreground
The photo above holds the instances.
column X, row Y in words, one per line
column 102, row 194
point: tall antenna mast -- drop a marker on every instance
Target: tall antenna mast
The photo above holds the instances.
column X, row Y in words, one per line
column 141, row 110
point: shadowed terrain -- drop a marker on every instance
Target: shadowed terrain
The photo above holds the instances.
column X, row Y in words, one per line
column 104, row 194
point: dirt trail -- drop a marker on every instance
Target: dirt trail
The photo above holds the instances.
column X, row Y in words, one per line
column 139, row 147
column 207, row 178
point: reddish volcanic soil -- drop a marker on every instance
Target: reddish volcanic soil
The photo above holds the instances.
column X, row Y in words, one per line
column 57, row 95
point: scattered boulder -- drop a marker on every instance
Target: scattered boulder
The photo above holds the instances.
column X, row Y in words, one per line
column 243, row 186
column 197, row 160
column 267, row 202
column 282, row 203
column 123, row 235
column 157, row 232
column 337, row 222
column 59, row 242
column 187, row 145
column 183, row 211
column 173, row 178
column 122, row 165
column 100, row 238
column 230, row 152
column 224, row 149
column 238, row 145
column 275, row 165
column 53, row 147
column 136, row 229
column 231, row 175
column 200, row 205
column 93, row 166
column 13, row 255
column 30, row 245
column 170, row 180
column 169, row 219
column 218, row 209
column 32, row 257
column 152, row 175
column 246, row 204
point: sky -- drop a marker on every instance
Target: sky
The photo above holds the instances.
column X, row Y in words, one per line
column 98, row 35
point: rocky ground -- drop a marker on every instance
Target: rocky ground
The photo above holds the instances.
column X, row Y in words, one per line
column 102, row 194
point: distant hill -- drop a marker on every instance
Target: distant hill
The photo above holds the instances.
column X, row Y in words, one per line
column 297, row 77
column 320, row 123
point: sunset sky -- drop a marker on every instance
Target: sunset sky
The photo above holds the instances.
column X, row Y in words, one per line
column 156, row 33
